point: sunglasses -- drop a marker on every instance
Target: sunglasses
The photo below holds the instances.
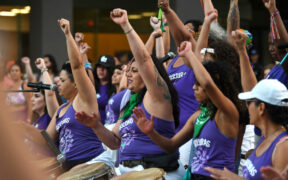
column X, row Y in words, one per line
column 248, row 102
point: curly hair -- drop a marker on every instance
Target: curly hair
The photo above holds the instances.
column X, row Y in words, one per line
column 53, row 66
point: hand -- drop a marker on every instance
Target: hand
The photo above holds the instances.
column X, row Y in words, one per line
column 213, row 15
column 87, row 120
column 270, row 5
column 64, row 25
column 222, row 174
column 25, row 60
column 185, row 48
column 164, row 5
column 84, row 48
column 145, row 125
column 79, row 38
column 239, row 39
column 269, row 173
column 40, row 63
column 155, row 23
column 157, row 33
column 119, row 16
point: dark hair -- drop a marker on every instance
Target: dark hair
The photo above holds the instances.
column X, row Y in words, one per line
column 110, row 87
column 173, row 93
column 53, row 66
column 225, row 79
column 67, row 67
column 118, row 67
column 20, row 65
column 278, row 114
column 195, row 23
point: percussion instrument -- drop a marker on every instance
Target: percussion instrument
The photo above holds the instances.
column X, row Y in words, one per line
column 96, row 171
column 146, row 174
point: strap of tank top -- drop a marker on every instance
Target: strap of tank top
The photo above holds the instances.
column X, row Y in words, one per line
column 64, row 105
column 281, row 140
column 173, row 62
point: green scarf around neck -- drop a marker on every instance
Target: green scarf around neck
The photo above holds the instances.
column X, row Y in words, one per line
column 135, row 99
column 204, row 116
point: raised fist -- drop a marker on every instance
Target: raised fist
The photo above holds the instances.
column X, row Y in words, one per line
column 25, row 60
column 64, row 25
column 119, row 16
column 212, row 15
column 84, row 48
column 239, row 39
column 164, row 5
column 185, row 48
column 155, row 23
column 79, row 38
column 40, row 63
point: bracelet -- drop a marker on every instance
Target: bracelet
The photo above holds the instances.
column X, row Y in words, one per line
column 128, row 31
column 88, row 65
column 275, row 13
column 43, row 70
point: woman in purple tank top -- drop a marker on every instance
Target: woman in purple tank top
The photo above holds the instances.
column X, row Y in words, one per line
column 267, row 103
column 214, row 127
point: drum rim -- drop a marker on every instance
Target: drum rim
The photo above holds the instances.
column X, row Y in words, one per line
column 105, row 171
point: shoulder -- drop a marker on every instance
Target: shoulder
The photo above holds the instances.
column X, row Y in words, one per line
column 279, row 156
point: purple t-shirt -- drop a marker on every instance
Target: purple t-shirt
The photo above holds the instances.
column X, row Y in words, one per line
column 76, row 140
column 251, row 169
column 113, row 107
column 213, row 149
column 102, row 99
column 183, row 79
column 135, row 145
column 42, row 122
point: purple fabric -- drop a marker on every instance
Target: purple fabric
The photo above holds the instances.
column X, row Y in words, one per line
column 278, row 73
column 76, row 140
column 183, row 79
column 42, row 122
column 213, row 149
column 135, row 145
column 102, row 99
column 113, row 107
column 251, row 169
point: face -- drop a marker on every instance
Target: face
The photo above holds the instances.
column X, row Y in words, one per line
column 66, row 87
column 252, row 108
column 47, row 62
column 38, row 101
column 117, row 75
column 208, row 56
column 199, row 93
column 15, row 73
column 190, row 28
column 102, row 72
column 134, row 80
column 254, row 58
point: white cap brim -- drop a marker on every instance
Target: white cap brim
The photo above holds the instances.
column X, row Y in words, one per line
column 245, row 95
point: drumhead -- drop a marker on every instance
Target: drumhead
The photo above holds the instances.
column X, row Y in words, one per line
column 147, row 174
column 91, row 171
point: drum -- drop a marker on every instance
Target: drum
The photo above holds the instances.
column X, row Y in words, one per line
column 147, row 174
column 96, row 171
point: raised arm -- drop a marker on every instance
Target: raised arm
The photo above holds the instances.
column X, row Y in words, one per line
column 224, row 104
column 233, row 19
column 177, row 28
column 154, row 83
column 203, row 38
column 157, row 34
column 86, row 90
column 169, row 145
column 84, row 48
column 50, row 96
column 166, row 35
column 271, row 6
column 248, row 78
column 28, row 69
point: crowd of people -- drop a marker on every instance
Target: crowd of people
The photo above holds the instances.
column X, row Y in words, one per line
column 211, row 112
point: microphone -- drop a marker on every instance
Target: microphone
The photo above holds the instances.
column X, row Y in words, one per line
column 170, row 55
column 283, row 45
column 52, row 87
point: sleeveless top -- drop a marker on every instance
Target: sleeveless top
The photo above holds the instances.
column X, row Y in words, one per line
column 251, row 169
column 42, row 122
column 102, row 99
column 16, row 98
column 183, row 79
column 76, row 141
column 135, row 145
column 113, row 107
column 212, row 149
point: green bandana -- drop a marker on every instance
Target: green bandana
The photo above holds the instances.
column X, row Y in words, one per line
column 204, row 116
column 134, row 101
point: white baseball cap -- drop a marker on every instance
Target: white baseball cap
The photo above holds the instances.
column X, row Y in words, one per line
column 270, row 91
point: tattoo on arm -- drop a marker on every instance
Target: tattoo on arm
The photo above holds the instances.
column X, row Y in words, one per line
column 234, row 16
column 162, row 84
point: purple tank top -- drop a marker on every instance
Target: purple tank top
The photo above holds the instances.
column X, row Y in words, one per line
column 213, row 149
column 251, row 169
column 102, row 99
column 42, row 122
column 135, row 145
column 278, row 73
column 113, row 107
column 76, row 140
column 183, row 79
